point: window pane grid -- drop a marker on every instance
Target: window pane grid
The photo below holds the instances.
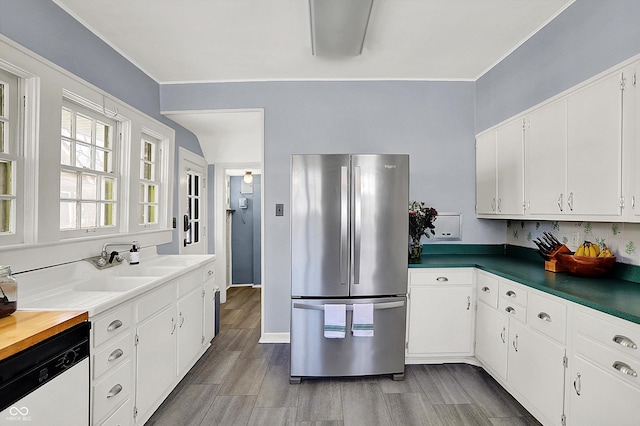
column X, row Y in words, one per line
column 149, row 184
column 87, row 183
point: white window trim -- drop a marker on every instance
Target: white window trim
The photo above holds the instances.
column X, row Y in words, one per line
column 163, row 172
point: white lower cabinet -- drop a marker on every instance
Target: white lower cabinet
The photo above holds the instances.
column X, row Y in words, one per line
column 536, row 371
column 604, row 371
column 517, row 351
column 155, row 359
column 190, row 332
column 440, row 316
column 492, row 335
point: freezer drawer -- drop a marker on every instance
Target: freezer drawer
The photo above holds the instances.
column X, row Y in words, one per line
column 313, row 355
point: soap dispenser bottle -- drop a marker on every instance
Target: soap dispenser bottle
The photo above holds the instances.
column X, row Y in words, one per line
column 134, row 254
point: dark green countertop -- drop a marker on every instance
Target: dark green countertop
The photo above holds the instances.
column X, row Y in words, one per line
column 612, row 295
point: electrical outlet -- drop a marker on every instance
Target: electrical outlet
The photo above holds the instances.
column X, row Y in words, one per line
column 279, row 209
column 575, row 239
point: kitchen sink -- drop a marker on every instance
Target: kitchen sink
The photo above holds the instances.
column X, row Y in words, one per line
column 112, row 283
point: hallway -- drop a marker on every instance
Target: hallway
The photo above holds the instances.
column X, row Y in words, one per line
column 241, row 382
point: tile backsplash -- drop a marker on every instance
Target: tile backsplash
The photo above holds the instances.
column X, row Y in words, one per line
column 622, row 238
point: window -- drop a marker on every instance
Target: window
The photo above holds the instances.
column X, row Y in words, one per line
column 88, row 172
column 150, row 180
column 9, row 156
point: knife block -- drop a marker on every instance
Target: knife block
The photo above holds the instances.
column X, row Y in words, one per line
column 552, row 265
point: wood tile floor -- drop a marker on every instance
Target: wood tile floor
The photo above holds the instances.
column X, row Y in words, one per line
column 241, row 382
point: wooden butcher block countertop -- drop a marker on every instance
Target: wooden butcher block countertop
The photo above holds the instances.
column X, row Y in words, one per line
column 23, row 329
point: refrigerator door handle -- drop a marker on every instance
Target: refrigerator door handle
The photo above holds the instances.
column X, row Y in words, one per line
column 344, row 225
column 357, row 205
column 383, row 305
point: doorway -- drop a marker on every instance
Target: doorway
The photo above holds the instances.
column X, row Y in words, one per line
column 192, row 203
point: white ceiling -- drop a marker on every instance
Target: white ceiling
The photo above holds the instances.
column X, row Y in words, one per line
column 254, row 40
column 176, row 41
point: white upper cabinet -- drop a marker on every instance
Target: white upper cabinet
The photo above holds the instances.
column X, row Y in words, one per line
column 563, row 159
column 500, row 171
column 546, row 159
column 594, row 148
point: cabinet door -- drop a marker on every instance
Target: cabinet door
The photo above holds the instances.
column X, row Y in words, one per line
column 594, row 141
column 599, row 398
column 632, row 135
column 492, row 334
column 546, row 158
column 190, row 333
column 536, row 371
column 510, row 169
column 155, row 358
column 486, row 178
column 440, row 320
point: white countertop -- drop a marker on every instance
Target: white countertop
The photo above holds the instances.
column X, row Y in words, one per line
column 56, row 288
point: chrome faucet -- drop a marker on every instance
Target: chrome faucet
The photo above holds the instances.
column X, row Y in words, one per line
column 105, row 253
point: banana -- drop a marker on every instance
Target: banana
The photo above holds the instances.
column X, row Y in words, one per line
column 580, row 251
column 605, row 252
column 596, row 248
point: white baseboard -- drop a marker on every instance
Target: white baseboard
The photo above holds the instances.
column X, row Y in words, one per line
column 274, row 338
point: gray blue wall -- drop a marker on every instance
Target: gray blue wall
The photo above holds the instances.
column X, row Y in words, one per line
column 46, row 29
column 586, row 39
column 431, row 121
column 245, row 234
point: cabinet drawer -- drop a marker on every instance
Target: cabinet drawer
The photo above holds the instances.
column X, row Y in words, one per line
column 112, row 391
column 547, row 316
column 189, row 281
column 614, row 333
column 112, row 355
column 614, row 362
column 156, row 300
column 112, row 324
column 512, row 309
column 122, row 417
column 513, row 293
column 441, row 277
column 487, row 289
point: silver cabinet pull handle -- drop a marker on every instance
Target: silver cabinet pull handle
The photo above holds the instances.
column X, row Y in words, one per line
column 486, row 289
column 442, row 279
column 515, row 343
column 510, row 310
column 115, row 324
column 499, row 205
column 173, row 325
column 544, row 316
column 570, row 201
column 209, row 272
column 502, row 334
column 181, row 320
column 468, row 302
column 115, row 355
column 511, row 294
column 624, row 368
column 560, row 202
column 114, row 390
column 577, row 385
column 625, row 341
column 493, row 205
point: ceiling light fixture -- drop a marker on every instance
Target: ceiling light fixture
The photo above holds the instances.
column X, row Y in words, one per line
column 248, row 177
column 338, row 27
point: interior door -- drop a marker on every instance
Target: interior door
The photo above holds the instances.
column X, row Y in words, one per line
column 192, row 203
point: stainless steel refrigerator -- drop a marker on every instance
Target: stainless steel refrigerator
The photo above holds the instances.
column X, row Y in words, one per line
column 349, row 242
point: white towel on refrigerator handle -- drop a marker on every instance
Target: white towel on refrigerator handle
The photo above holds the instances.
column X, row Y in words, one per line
column 335, row 321
column 362, row 320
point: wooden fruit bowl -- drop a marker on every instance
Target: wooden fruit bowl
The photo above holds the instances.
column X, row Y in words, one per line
column 586, row 266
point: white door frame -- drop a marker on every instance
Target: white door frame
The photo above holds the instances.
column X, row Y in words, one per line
column 187, row 160
column 221, row 170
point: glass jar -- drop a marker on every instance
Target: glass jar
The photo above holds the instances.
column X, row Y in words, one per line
column 8, row 292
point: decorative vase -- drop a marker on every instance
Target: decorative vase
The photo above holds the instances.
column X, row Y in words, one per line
column 415, row 249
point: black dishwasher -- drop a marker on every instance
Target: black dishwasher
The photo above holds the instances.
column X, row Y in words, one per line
column 32, row 368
